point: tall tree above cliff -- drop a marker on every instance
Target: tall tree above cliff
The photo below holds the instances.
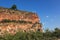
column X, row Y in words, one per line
column 14, row 7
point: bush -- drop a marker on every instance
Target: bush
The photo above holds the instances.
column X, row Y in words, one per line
column 28, row 36
column 14, row 7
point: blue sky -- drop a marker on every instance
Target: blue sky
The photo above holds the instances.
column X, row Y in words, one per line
column 47, row 10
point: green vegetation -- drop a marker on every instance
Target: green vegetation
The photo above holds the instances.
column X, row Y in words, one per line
column 48, row 35
column 18, row 21
column 14, row 7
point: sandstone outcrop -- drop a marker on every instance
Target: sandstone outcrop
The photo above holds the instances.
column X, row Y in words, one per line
column 12, row 21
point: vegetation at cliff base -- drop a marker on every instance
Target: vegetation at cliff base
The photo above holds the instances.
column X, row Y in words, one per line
column 47, row 35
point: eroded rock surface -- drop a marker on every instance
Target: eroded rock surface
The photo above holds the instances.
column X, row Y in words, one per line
column 12, row 21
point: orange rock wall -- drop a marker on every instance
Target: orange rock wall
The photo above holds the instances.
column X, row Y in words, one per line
column 18, row 15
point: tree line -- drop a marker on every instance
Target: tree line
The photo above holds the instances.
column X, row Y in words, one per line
column 47, row 35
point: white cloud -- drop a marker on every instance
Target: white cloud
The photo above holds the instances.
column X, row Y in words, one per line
column 47, row 16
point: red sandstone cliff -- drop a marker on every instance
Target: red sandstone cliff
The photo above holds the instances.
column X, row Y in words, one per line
column 30, row 21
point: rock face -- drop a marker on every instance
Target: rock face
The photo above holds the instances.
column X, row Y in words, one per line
column 12, row 21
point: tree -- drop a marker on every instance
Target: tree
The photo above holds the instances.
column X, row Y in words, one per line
column 56, row 33
column 48, row 33
column 14, row 7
